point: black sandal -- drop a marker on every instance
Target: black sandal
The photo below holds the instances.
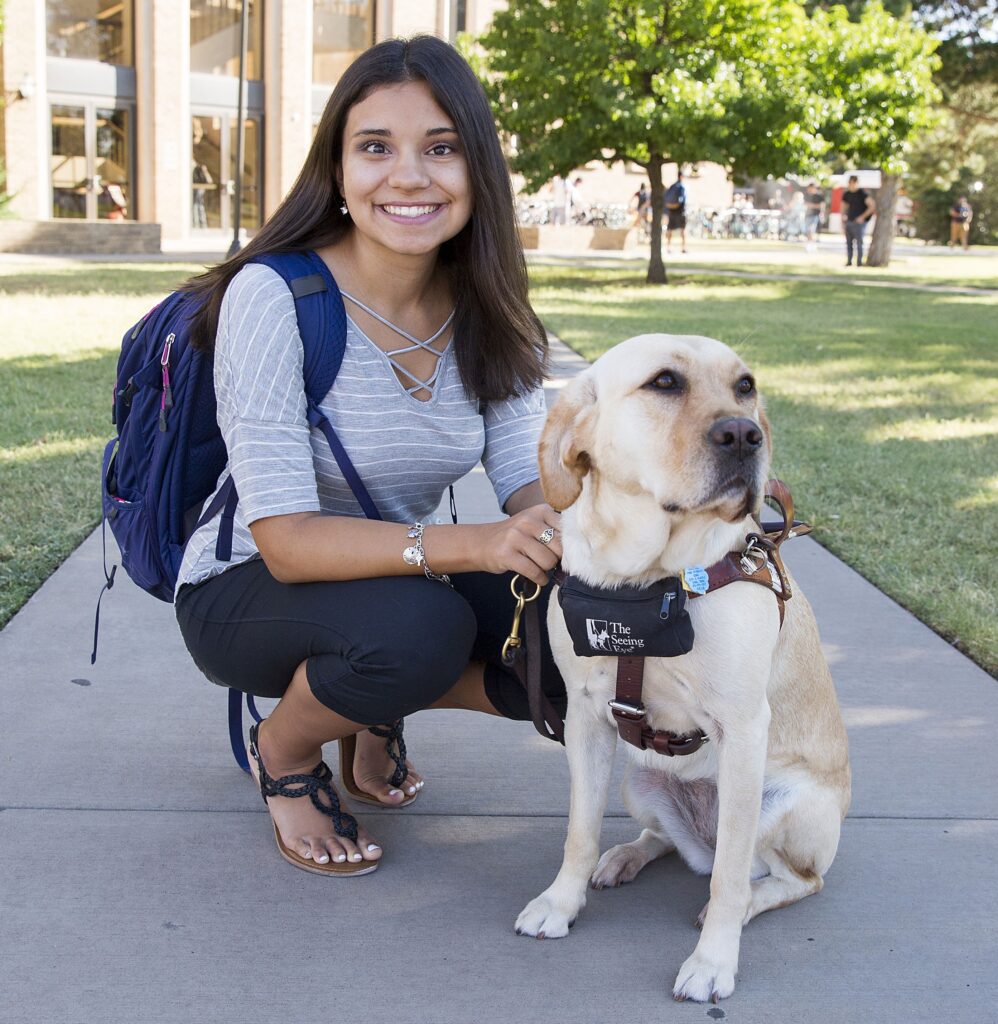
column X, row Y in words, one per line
column 395, row 747
column 311, row 785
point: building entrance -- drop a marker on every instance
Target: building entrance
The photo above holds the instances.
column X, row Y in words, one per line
column 91, row 161
column 213, row 174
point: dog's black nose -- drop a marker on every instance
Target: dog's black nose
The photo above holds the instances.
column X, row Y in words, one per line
column 737, row 436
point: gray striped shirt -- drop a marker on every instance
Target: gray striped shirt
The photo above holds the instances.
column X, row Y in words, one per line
column 406, row 451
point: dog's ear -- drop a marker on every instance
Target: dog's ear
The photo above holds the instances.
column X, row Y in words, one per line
column 563, row 456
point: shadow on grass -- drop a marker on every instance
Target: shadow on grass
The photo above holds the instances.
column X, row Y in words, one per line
column 122, row 279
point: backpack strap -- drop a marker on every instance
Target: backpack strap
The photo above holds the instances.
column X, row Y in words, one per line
column 322, row 324
column 236, row 725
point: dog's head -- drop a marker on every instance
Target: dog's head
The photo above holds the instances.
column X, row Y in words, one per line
column 678, row 418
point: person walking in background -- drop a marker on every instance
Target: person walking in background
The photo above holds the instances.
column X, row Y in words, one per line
column 904, row 210
column 641, row 201
column 559, row 200
column 814, row 211
column 960, row 216
column 675, row 210
column 857, row 209
column 577, row 205
column 202, row 180
column 795, row 216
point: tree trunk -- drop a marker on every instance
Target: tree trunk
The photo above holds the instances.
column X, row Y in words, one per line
column 883, row 229
column 656, row 266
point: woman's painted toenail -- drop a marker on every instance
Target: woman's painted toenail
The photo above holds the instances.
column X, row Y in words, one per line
column 307, row 855
column 372, row 846
column 340, row 858
column 395, row 792
column 355, row 856
column 412, row 789
column 323, row 859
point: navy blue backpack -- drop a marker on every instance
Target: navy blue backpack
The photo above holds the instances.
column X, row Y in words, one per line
column 168, row 453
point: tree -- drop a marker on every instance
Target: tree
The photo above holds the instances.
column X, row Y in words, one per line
column 959, row 156
column 877, row 74
column 654, row 82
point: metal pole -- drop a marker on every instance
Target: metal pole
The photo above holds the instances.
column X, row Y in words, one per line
column 241, row 129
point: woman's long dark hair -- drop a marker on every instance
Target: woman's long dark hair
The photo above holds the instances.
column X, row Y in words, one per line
column 499, row 343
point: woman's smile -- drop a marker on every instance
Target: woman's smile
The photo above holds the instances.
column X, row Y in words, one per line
column 412, row 213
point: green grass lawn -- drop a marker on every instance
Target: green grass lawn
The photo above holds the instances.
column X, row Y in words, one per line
column 61, row 335
column 884, row 402
column 885, row 412
column 911, row 263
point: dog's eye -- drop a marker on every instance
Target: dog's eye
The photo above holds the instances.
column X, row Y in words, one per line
column 665, row 381
column 745, row 386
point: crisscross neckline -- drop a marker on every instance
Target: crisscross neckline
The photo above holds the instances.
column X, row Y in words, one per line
column 414, row 344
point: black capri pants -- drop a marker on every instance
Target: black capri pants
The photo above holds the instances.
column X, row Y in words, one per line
column 375, row 650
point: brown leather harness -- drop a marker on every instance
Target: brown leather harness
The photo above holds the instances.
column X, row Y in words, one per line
column 760, row 562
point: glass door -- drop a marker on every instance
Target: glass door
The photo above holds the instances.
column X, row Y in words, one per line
column 213, row 172
column 91, row 161
column 70, row 169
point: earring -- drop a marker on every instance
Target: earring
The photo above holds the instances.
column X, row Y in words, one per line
column 343, row 209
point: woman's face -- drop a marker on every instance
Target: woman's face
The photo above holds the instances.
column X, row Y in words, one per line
column 404, row 174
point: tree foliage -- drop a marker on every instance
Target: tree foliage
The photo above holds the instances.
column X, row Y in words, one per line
column 967, row 31
column 876, row 72
column 968, row 34
column 654, row 83
column 959, row 156
column 876, row 75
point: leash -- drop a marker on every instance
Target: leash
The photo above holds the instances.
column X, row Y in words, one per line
column 760, row 562
column 515, row 655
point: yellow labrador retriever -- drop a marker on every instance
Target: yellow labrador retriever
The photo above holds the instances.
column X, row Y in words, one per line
column 658, row 454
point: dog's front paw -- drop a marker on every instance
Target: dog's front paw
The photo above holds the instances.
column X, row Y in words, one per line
column 547, row 918
column 617, row 866
column 703, row 980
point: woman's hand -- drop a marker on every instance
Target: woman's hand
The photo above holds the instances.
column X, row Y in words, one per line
column 515, row 544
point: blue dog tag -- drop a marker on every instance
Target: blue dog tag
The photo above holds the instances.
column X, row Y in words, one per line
column 695, row 579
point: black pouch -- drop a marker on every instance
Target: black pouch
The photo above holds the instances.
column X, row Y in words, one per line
column 650, row 622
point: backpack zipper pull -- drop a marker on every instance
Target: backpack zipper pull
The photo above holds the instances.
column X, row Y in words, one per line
column 167, row 400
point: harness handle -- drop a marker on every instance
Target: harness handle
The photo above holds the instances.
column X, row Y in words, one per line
column 779, row 494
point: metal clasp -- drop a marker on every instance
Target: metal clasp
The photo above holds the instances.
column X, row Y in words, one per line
column 513, row 641
column 753, row 558
column 634, row 712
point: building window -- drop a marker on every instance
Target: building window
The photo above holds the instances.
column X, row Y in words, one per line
column 459, row 17
column 215, row 27
column 341, row 30
column 90, row 30
column 91, row 162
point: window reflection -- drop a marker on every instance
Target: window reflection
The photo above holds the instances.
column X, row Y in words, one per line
column 215, row 37
column 111, row 165
column 341, row 31
column 69, row 162
column 90, row 30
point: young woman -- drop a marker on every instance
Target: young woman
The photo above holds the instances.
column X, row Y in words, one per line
column 352, row 622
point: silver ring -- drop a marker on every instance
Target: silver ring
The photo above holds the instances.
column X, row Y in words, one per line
column 547, row 536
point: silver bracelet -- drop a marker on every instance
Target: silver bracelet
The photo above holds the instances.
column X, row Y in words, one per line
column 414, row 555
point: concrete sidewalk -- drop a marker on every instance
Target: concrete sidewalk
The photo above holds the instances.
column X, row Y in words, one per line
column 141, row 882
